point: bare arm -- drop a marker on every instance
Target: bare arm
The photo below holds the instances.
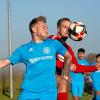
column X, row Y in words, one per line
column 4, row 63
column 67, row 62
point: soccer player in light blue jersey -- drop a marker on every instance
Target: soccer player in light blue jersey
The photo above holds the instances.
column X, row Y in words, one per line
column 39, row 56
column 96, row 79
column 77, row 79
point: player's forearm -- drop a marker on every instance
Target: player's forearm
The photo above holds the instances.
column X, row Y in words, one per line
column 4, row 63
column 82, row 68
column 67, row 62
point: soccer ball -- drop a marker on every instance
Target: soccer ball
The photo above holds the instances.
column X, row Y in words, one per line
column 77, row 31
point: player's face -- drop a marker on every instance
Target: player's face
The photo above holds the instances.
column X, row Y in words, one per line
column 81, row 55
column 98, row 60
column 41, row 30
column 63, row 28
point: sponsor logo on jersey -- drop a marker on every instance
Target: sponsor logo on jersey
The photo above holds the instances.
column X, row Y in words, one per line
column 30, row 50
column 36, row 59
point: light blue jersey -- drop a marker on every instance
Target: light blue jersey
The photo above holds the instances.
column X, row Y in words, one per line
column 79, row 76
column 40, row 61
column 96, row 79
column 77, row 80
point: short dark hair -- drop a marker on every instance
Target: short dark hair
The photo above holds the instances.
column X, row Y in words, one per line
column 81, row 50
column 35, row 20
column 98, row 55
column 61, row 20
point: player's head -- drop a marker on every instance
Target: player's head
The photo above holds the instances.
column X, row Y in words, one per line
column 98, row 58
column 38, row 27
column 63, row 27
column 81, row 53
column 91, row 58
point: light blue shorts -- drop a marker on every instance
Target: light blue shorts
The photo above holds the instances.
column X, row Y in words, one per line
column 96, row 87
column 26, row 95
column 77, row 88
column 97, row 97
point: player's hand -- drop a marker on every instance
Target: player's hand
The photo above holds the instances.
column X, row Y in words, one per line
column 98, row 66
column 67, row 78
column 72, row 67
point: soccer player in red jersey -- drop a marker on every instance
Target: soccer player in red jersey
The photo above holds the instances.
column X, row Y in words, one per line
column 62, row 35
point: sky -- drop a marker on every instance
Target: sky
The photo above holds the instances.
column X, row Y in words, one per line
column 23, row 11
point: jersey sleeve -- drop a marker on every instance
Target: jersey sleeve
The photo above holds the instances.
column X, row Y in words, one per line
column 60, row 48
column 15, row 57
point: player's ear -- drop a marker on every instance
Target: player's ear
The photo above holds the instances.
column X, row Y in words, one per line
column 58, row 30
column 33, row 29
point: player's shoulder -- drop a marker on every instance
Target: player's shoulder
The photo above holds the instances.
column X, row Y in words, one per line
column 51, row 40
column 85, row 61
column 23, row 46
column 54, row 37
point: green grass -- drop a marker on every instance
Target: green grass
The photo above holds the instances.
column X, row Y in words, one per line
column 17, row 81
column 3, row 97
column 7, row 96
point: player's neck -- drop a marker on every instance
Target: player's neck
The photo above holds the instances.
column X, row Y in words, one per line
column 36, row 39
column 59, row 35
column 63, row 38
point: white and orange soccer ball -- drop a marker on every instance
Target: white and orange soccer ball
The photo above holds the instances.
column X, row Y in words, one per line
column 77, row 31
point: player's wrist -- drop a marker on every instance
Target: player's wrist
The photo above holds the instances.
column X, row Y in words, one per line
column 66, row 77
column 72, row 67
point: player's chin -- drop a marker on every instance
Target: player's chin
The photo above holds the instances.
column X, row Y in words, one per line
column 44, row 37
column 64, row 34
